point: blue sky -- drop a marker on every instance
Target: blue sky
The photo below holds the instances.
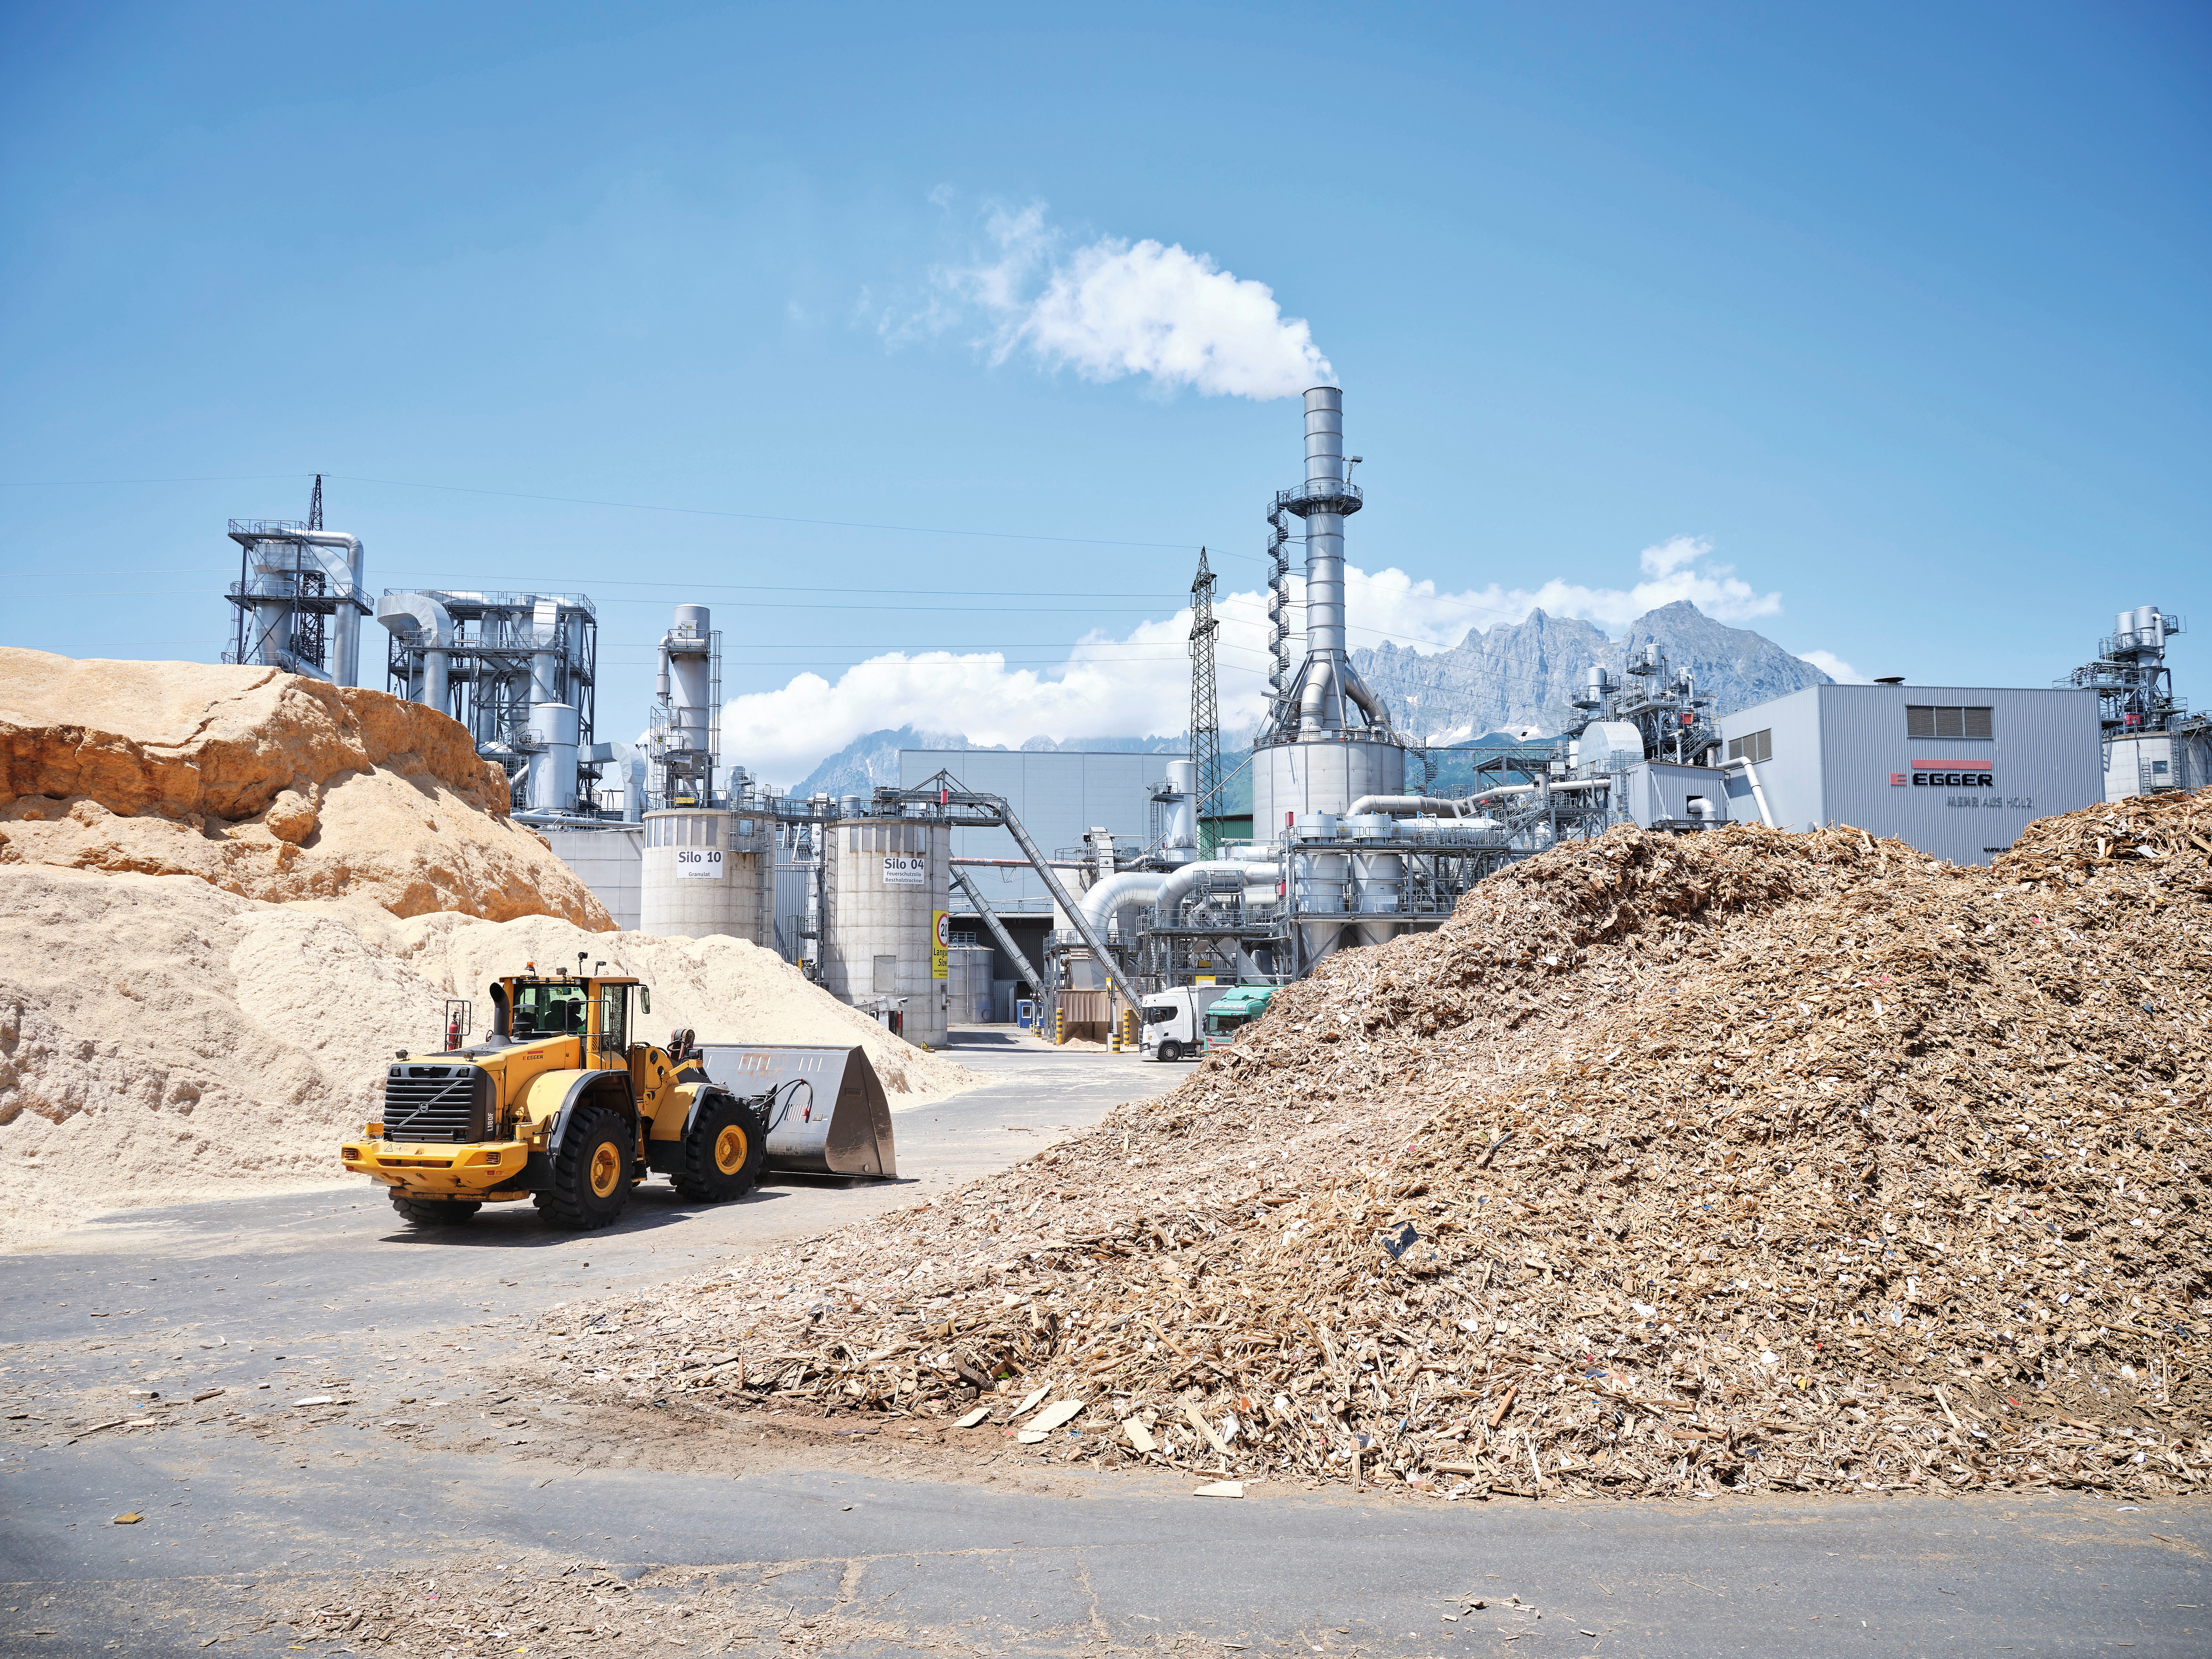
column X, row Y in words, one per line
column 1879, row 329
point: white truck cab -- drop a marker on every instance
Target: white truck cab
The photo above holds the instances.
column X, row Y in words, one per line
column 1175, row 1023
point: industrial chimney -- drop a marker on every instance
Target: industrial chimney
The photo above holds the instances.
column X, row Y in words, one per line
column 1328, row 739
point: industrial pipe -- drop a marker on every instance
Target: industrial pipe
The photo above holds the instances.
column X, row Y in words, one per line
column 1118, row 892
column 1369, row 704
column 1751, row 777
column 1179, row 886
column 1407, row 806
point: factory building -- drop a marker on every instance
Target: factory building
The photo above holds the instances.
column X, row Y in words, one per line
column 1087, row 880
column 1080, row 805
column 1956, row 771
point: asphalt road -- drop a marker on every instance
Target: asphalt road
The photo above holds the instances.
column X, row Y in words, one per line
column 268, row 1527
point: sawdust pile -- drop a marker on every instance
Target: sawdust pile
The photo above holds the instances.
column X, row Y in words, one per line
column 264, row 784
column 161, row 1039
column 1747, row 1161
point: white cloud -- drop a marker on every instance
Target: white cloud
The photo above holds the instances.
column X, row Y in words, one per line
column 1415, row 614
column 1114, row 309
column 1665, row 557
column 1136, row 685
column 1835, row 667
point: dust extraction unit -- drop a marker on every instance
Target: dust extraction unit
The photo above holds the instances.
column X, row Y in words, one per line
column 518, row 669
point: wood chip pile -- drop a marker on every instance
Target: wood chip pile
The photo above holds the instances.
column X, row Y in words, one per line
column 1743, row 1161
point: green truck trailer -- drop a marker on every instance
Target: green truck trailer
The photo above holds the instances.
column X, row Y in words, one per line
column 1236, row 1010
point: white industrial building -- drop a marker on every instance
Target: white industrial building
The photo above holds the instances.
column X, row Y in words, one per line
column 1956, row 771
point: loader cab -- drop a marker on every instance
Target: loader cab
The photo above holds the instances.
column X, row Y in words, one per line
column 599, row 1010
column 550, row 1008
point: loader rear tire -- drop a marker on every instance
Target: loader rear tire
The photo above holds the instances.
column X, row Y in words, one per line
column 722, row 1154
column 435, row 1212
column 590, row 1172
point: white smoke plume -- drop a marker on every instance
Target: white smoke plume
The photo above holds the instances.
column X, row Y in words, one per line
column 1114, row 309
column 1137, row 686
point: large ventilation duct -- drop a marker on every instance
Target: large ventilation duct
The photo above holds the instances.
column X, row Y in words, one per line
column 1406, row 806
column 1183, row 883
column 345, row 621
column 421, row 620
column 1119, row 892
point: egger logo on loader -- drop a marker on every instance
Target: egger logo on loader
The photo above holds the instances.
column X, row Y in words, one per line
column 558, row 1106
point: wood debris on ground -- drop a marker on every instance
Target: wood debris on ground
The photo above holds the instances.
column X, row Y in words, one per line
column 1745, row 1161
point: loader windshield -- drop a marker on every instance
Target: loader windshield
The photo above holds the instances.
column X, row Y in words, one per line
column 543, row 1009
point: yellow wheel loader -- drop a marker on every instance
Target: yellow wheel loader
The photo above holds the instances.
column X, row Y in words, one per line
column 559, row 1106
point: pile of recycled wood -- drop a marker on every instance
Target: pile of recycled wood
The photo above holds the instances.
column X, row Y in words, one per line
column 1747, row 1160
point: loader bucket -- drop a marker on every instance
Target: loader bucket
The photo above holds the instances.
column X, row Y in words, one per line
column 829, row 1115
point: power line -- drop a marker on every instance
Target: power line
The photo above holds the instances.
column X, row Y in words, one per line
column 762, row 518
column 587, row 501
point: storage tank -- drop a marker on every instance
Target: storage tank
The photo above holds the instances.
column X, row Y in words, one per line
column 553, row 731
column 1380, row 877
column 972, row 983
column 1318, row 882
column 702, row 874
column 1290, row 779
column 885, row 879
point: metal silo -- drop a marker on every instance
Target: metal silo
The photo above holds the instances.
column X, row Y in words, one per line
column 703, row 874
column 886, row 882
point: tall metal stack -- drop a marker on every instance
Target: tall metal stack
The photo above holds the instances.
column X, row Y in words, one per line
column 1328, row 738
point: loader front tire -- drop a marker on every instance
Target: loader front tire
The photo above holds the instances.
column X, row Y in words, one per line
column 590, row 1172
column 435, row 1212
column 722, row 1154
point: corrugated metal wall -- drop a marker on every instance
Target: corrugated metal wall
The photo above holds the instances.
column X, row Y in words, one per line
column 1843, row 754
column 1057, row 794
